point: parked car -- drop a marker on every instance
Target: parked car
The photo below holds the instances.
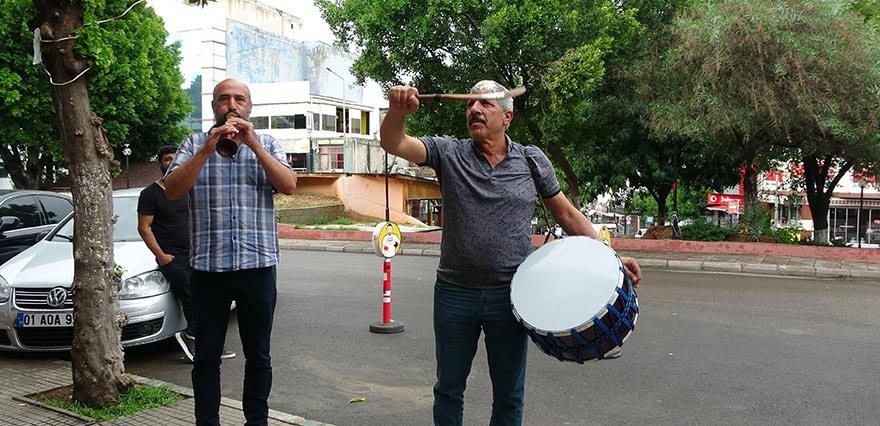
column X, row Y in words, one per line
column 36, row 306
column 26, row 215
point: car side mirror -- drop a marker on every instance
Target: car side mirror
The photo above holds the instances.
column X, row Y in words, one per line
column 8, row 222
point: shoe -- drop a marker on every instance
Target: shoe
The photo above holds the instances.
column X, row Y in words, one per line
column 227, row 353
column 188, row 345
column 614, row 353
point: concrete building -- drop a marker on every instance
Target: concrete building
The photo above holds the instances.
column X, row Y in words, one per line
column 304, row 96
column 853, row 211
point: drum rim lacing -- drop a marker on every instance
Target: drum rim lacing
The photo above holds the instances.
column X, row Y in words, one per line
column 558, row 349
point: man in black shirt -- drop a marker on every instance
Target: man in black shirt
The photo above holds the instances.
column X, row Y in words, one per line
column 164, row 227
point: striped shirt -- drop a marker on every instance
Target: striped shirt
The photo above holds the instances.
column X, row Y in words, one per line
column 232, row 213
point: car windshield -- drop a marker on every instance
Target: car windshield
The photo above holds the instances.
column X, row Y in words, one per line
column 125, row 229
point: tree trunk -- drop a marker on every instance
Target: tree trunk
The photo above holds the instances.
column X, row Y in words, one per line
column 96, row 352
column 556, row 154
column 574, row 189
column 819, row 193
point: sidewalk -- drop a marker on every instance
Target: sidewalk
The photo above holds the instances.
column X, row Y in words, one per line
column 650, row 260
column 22, row 375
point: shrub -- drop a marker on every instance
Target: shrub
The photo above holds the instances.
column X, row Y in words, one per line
column 705, row 231
column 755, row 222
column 788, row 235
column 342, row 221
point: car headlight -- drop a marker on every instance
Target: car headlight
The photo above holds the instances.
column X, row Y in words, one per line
column 148, row 284
column 5, row 290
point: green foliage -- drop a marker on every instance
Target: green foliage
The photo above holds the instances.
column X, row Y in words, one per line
column 691, row 202
column 701, row 230
column 557, row 49
column 133, row 400
column 134, row 87
column 92, row 43
column 323, row 220
column 140, row 98
column 342, row 221
column 763, row 79
column 755, row 221
column 788, row 235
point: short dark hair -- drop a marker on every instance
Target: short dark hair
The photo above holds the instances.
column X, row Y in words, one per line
column 168, row 149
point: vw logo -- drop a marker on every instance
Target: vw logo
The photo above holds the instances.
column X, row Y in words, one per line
column 56, row 297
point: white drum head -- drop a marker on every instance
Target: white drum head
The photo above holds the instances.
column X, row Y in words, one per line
column 566, row 282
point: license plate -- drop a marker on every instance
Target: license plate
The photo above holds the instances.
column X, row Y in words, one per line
column 48, row 319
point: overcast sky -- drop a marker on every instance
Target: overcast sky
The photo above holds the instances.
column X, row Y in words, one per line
column 178, row 16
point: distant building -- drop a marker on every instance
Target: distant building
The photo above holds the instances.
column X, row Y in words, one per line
column 853, row 211
column 304, row 96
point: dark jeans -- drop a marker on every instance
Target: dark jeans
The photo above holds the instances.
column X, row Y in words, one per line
column 254, row 293
column 459, row 316
column 178, row 273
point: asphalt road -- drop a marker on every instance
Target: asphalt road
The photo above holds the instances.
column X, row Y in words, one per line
column 715, row 349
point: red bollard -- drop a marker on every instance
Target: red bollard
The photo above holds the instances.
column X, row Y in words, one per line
column 386, row 243
column 386, row 294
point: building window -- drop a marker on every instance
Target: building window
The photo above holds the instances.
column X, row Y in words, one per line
column 298, row 160
column 330, row 157
column 299, row 121
column 356, row 125
column 282, row 122
column 339, row 120
column 328, row 122
column 260, row 123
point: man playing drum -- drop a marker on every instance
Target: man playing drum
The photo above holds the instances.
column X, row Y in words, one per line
column 488, row 186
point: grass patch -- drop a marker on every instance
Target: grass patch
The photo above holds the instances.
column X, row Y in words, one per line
column 136, row 398
column 319, row 221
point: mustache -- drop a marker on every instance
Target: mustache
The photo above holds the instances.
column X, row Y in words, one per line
column 476, row 119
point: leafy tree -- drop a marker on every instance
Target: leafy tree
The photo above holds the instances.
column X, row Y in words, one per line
column 623, row 151
column 119, row 57
column 761, row 78
column 29, row 148
column 557, row 49
column 137, row 95
column 691, row 202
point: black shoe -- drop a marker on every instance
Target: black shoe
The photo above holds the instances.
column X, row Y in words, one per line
column 188, row 345
column 227, row 353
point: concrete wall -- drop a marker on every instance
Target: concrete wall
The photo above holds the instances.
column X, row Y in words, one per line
column 308, row 215
column 364, row 194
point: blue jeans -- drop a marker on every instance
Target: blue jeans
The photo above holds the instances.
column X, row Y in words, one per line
column 255, row 294
column 459, row 316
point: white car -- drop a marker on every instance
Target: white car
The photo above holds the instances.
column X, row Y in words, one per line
column 36, row 308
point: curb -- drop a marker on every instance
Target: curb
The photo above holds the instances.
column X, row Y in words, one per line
column 279, row 416
column 159, row 415
column 645, row 262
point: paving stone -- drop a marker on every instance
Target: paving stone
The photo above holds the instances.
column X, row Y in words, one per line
column 722, row 267
column 758, row 268
column 797, row 271
column 685, row 265
column 652, row 263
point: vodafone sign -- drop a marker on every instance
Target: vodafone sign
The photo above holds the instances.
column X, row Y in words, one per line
column 730, row 203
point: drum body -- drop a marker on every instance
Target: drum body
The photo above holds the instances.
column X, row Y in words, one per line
column 575, row 299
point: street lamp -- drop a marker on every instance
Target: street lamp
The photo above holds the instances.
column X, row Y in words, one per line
column 344, row 115
column 862, row 184
column 126, row 151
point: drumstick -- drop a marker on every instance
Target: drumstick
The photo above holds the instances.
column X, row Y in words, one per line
column 443, row 97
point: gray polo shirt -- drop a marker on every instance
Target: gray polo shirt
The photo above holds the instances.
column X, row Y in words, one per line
column 487, row 213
